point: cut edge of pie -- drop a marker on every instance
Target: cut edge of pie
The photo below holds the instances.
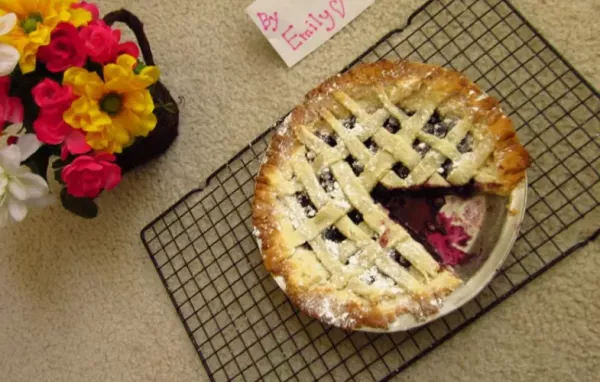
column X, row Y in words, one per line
column 371, row 94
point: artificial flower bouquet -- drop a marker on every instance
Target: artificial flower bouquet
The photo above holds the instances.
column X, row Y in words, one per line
column 76, row 103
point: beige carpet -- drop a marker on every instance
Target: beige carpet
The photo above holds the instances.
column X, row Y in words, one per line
column 81, row 301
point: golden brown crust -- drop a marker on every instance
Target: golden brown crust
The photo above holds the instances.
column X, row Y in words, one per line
column 462, row 99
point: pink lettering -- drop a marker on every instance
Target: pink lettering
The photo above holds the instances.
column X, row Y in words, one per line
column 290, row 39
column 267, row 20
column 312, row 27
column 339, row 7
column 327, row 16
column 316, row 20
column 306, row 34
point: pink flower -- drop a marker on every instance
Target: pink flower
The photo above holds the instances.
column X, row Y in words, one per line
column 11, row 108
column 102, row 44
column 92, row 8
column 129, row 48
column 75, row 144
column 88, row 175
column 65, row 49
column 50, row 127
column 51, row 97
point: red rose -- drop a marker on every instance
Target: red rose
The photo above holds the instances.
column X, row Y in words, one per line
column 51, row 97
column 65, row 49
column 92, row 8
column 102, row 44
column 50, row 127
column 11, row 108
column 129, row 48
column 88, row 175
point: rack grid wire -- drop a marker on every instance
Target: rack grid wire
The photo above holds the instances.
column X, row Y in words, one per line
column 243, row 326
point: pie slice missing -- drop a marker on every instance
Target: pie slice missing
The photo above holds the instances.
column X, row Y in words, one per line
column 324, row 208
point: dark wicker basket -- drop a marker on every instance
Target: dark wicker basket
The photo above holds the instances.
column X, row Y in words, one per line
column 159, row 140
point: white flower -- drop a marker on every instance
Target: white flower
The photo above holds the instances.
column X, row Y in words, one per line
column 9, row 56
column 28, row 143
column 19, row 187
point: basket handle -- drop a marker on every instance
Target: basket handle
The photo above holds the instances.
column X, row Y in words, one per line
column 137, row 27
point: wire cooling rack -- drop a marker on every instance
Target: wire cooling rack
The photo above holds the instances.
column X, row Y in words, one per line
column 240, row 322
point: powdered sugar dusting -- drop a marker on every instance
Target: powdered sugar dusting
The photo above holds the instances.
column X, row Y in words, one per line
column 328, row 310
column 333, row 248
column 256, row 233
column 294, row 211
column 285, row 125
column 369, row 275
column 358, row 129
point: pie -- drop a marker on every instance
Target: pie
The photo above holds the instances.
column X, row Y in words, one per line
column 324, row 213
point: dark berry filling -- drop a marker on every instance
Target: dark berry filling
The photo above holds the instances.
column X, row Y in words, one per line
column 355, row 216
column 309, row 208
column 333, row 234
column 466, row 145
column 436, row 127
column 306, row 246
column 350, row 122
column 421, row 147
column 401, row 170
column 434, row 119
column 397, row 257
column 355, row 164
column 329, row 139
column 371, row 145
column 446, row 167
column 392, row 125
column 326, row 180
column 417, row 210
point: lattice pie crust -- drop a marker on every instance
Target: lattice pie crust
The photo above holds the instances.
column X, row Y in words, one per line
column 398, row 124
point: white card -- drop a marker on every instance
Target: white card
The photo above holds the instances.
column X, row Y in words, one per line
column 297, row 27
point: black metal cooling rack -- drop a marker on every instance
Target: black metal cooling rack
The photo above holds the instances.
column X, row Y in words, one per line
column 240, row 322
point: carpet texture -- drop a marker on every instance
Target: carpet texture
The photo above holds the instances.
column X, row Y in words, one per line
column 81, row 301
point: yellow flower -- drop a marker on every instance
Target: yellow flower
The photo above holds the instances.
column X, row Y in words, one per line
column 114, row 111
column 36, row 21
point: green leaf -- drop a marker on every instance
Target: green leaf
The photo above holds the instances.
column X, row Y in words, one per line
column 139, row 67
column 84, row 207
